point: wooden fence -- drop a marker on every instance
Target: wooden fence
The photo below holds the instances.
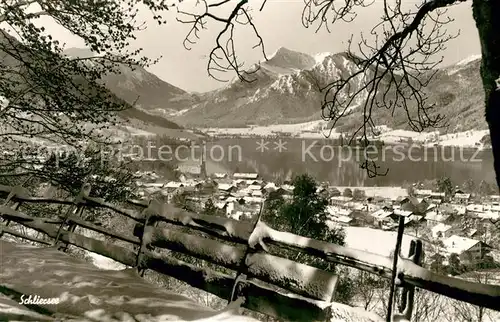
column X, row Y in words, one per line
column 269, row 284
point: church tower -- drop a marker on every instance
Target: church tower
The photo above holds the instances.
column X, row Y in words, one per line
column 203, row 165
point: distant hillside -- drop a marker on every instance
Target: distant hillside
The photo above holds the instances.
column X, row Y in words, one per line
column 134, row 113
column 458, row 94
column 286, row 91
column 138, row 87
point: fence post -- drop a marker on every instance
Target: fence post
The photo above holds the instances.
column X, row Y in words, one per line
column 147, row 211
column 6, row 202
column 408, row 296
column 16, row 205
column 397, row 252
column 241, row 274
column 75, row 208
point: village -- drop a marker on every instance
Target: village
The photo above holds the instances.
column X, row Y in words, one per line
column 452, row 224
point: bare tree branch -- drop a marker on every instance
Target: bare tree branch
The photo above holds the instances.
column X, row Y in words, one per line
column 394, row 64
column 223, row 56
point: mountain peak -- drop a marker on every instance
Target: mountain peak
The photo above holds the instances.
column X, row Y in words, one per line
column 288, row 59
column 78, row 52
column 283, row 51
column 469, row 59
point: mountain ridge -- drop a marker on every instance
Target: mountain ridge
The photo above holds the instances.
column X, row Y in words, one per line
column 287, row 90
column 140, row 89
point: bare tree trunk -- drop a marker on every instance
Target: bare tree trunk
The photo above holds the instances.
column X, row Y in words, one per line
column 486, row 14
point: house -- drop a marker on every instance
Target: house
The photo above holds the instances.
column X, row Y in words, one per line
column 494, row 206
column 239, row 183
column 383, row 216
column 271, row 186
column 188, row 190
column 253, row 200
column 257, row 193
column 474, row 208
column 430, row 207
column 469, row 250
column 247, row 176
column 495, row 197
column 441, row 231
column 207, row 187
column 414, row 205
column 437, row 196
column 489, row 215
column 173, row 186
column 339, row 201
column 334, row 192
column 433, row 218
column 484, row 211
column 253, row 182
column 423, row 193
column 244, row 192
column 462, row 197
column 226, row 187
column 403, row 213
column 254, row 187
column 460, row 209
column 335, row 211
column 157, row 185
column 320, row 189
column 278, row 192
column 414, row 219
column 473, row 233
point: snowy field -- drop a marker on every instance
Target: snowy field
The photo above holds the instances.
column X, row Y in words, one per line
column 319, row 130
column 138, row 132
column 375, row 241
column 292, row 129
column 463, row 139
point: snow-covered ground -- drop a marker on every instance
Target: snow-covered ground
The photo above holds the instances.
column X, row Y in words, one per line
column 138, row 132
column 463, row 139
column 105, row 263
column 375, row 241
column 293, row 129
column 319, row 129
column 100, row 261
column 396, row 136
column 461, row 64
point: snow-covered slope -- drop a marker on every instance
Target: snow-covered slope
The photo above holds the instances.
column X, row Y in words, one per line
column 286, row 87
column 85, row 293
column 139, row 88
column 137, row 85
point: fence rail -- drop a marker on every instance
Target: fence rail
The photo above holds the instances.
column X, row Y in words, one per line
column 268, row 283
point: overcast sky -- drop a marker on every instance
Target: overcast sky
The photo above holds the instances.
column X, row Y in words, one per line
column 280, row 26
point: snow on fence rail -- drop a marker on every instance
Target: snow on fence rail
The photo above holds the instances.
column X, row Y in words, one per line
column 269, row 284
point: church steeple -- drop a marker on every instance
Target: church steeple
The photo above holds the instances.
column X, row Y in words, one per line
column 203, row 165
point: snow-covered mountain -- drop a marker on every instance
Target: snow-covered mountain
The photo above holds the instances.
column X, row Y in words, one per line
column 141, row 88
column 287, row 90
column 136, row 85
